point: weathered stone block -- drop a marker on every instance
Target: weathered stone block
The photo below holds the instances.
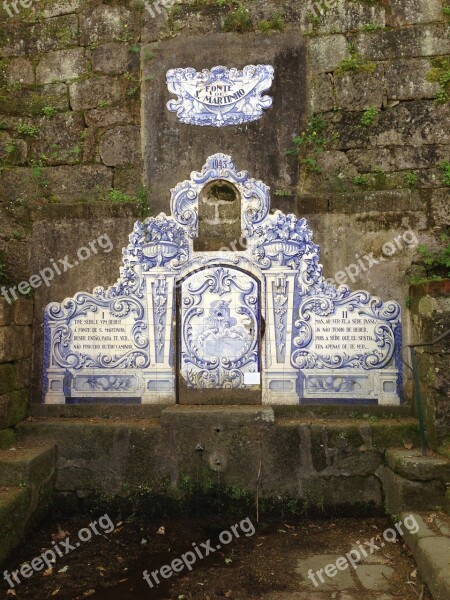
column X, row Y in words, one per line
column 7, row 376
column 12, row 150
column 23, row 311
column 402, row 494
column 408, row 12
column 30, row 101
column 432, row 559
column 424, row 530
column 407, row 80
column 30, row 466
column 322, row 93
column 120, row 146
column 5, row 312
column 327, row 52
column 412, row 465
column 16, row 255
column 60, row 139
column 55, row 8
column 360, row 90
column 95, row 91
column 397, row 158
column 15, row 343
column 13, row 408
column 334, row 165
column 345, row 16
column 106, row 23
column 378, row 201
column 14, row 506
column 7, row 438
column 128, row 179
column 69, row 184
column 19, row 70
column 426, row 40
column 61, row 65
column 440, row 208
column 413, row 124
column 14, row 376
column 101, row 117
column 21, row 376
column 53, row 34
column 112, row 59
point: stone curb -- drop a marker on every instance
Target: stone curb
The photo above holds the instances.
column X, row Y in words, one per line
column 432, row 555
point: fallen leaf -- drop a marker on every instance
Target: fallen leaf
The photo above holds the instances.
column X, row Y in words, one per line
column 64, row 569
column 48, row 572
column 55, row 591
column 161, row 531
column 228, row 561
column 413, row 574
column 60, row 535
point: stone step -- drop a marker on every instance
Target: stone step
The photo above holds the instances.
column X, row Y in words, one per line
column 415, row 467
column 14, row 507
column 416, row 482
column 146, row 411
column 27, row 475
column 25, row 466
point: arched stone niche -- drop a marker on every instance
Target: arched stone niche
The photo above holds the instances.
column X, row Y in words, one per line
column 219, row 218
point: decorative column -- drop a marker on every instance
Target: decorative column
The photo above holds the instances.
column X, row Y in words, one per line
column 279, row 378
column 159, row 377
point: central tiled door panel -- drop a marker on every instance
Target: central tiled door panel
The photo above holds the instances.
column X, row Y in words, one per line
column 219, row 337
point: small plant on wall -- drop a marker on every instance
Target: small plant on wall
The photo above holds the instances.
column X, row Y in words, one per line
column 434, row 264
column 309, row 145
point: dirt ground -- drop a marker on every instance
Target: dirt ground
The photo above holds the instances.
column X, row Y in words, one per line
column 111, row 565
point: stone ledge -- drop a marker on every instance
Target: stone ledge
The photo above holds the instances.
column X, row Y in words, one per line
column 26, row 466
column 103, row 411
column 84, row 210
column 235, row 415
column 415, row 467
column 378, row 201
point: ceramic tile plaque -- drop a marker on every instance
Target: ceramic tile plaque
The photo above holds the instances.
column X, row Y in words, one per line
column 259, row 320
column 220, row 96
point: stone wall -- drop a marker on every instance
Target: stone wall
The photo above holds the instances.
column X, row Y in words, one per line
column 362, row 86
column 431, row 319
column 15, row 365
column 289, row 457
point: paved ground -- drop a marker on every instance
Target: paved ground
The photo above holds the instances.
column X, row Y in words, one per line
column 298, row 559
